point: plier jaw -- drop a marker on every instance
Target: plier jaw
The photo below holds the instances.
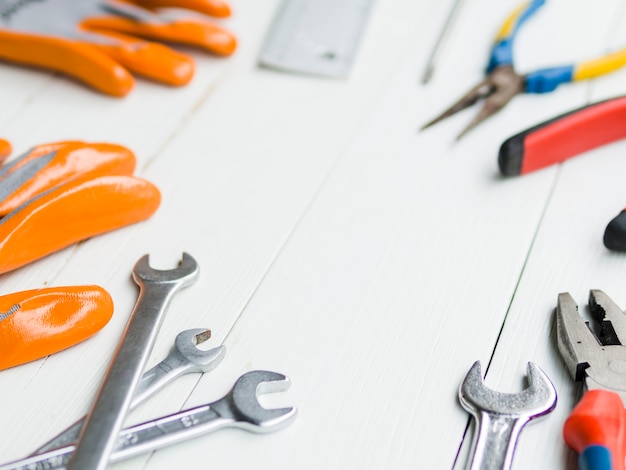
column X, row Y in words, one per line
column 497, row 89
column 597, row 359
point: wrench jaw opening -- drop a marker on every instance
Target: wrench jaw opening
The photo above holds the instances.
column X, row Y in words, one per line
column 185, row 274
column 537, row 400
column 209, row 360
column 500, row 417
column 186, row 344
column 251, row 416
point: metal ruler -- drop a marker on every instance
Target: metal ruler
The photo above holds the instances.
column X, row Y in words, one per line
column 319, row 37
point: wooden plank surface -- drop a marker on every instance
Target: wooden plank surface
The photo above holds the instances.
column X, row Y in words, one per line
column 370, row 263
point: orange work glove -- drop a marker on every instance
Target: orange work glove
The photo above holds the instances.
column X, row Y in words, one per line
column 36, row 323
column 58, row 194
column 96, row 41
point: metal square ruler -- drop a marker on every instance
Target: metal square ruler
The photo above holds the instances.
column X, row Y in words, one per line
column 318, row 37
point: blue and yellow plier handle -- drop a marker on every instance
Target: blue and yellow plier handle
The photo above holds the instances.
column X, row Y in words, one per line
column 546, row 80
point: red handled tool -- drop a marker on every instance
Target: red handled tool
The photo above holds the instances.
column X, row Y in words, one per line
column 596, row 428
column 564, row 137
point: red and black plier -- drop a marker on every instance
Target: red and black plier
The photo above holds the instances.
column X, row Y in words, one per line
column 596, row 428
column 566, row 136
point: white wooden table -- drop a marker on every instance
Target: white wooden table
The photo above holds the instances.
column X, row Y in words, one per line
column 370, row 263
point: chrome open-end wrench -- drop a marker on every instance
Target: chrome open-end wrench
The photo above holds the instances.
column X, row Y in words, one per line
column 106, row 417
column 500, row 417
column 239, row 408
column 184, row 358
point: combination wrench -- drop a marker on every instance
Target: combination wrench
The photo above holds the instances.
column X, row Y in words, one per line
column 239, row 408
column 184, row 358
column 500, row 417
column 106, row 417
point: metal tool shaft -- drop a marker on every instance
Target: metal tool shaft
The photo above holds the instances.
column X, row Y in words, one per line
column 433, row 59
column 239, row 408
column 135, row 440
column 494, row 444
column 102, row 425
column 182, row 359
column 500, row 417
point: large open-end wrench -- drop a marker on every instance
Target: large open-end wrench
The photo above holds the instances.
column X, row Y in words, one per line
column 106, row 417
column 184, row 358
column 500, row 417
column 239, row 408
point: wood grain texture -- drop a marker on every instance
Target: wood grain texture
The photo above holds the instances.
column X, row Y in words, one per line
column 370, row 263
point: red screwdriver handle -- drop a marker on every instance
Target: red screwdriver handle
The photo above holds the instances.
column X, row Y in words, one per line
column 563, row 137
column 599, row 420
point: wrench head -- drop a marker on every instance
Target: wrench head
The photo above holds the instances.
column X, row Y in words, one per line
column 251, row 415
column 198, row 359
column 185, row 274
column 538, row 399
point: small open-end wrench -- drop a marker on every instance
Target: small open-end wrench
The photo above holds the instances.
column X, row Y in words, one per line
column 184, row 358
column 500, row 417
column 106, row 417
column 239, row 408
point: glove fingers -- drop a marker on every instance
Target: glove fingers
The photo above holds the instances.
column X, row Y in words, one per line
column 5, row 150
column 45, row 321
column 60, row 166
column 72, row 212
column 151, row 60
column 201, row 34
column 217, row 8
column 79, row 60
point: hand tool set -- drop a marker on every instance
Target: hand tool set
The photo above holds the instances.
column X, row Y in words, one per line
column 556, row 139
column 596, row 428
column 60, row 193
column 98, row 42
column 98, row 439
column 502, row 82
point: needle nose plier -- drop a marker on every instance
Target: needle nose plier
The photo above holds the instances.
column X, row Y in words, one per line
column 502, row 82
column 596, row 428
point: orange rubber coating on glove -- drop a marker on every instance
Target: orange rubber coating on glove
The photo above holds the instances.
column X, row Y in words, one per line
column 86, row 150
column 215, row 8
column 73, row 212
column 598, row 419
column 5, row 149
column 79, row 60
column 44, row 149
column 72, row 160
column 151, row 60
column 205, row 35
column 49, row 320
